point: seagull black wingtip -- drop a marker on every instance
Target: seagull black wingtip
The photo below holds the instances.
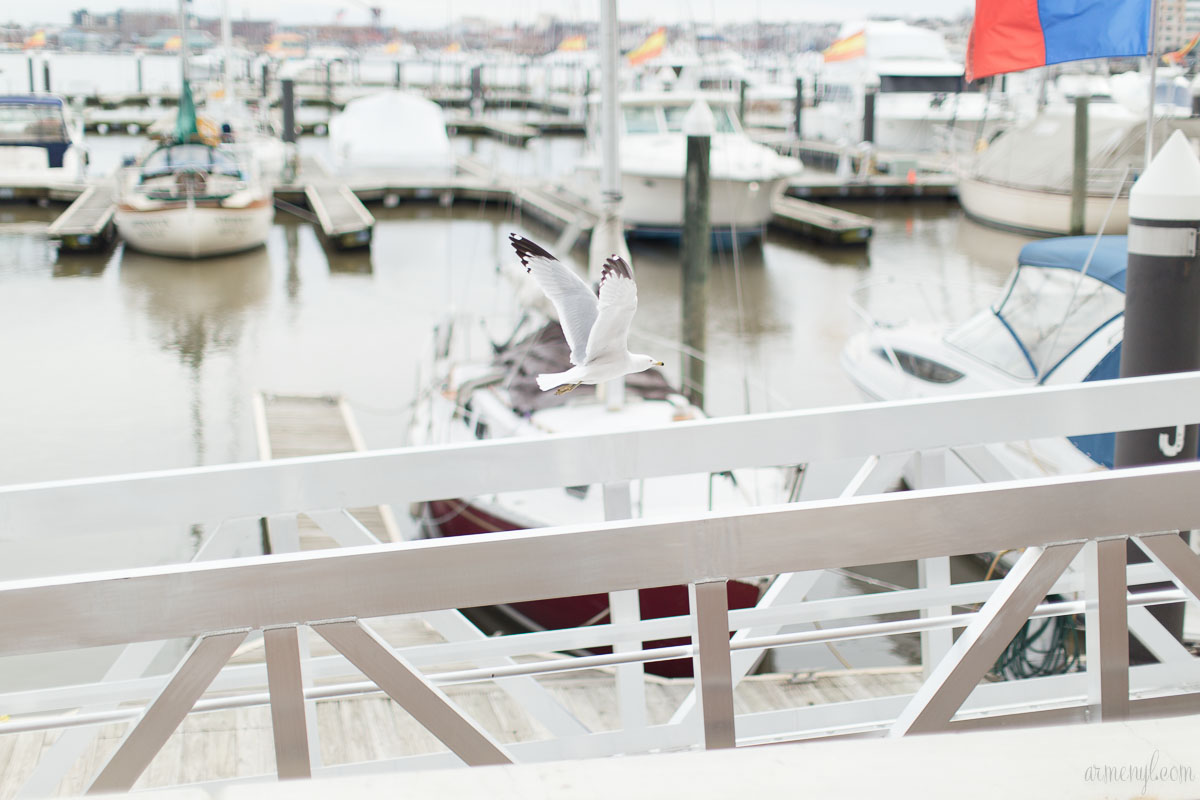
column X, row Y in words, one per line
column 526, row 248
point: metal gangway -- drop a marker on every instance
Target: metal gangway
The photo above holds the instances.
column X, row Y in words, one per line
column 1073, row 530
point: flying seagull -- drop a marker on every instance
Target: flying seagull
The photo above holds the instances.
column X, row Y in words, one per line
column 597, row 328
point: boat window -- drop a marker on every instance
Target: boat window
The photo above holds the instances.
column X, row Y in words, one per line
column 920, row 367
column 675, row 115
column 40, row 122
column 921, row 83
column 1044, row 316
column 641, row 119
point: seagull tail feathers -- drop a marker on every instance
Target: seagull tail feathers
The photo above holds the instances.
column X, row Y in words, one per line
column 548, row 380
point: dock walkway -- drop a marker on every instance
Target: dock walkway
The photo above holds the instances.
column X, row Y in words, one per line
column 292, row 426
column 87, row 224
column 238, row 743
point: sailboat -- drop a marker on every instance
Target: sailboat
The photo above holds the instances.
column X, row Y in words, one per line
column 194, row 195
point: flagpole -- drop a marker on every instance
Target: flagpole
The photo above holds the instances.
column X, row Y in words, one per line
column 1153, row 78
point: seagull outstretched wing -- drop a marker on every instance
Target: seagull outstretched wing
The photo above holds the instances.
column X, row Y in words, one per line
column 573, row 299
column 618, row 302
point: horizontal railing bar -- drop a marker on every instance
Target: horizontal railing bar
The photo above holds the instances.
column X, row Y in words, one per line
column 185, row 496
column 192, row 599
column 236, row 678
column 577, row 663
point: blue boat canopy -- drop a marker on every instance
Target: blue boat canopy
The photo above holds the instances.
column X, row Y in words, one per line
column 30, row 100
column 1070, row 252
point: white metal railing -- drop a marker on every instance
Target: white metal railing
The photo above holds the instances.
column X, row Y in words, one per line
column 332, row 592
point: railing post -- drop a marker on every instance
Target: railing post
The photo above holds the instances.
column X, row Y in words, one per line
column 1107, row 630
column 288, row 718
column 934, row 573
column 710, row 662
column 626, row 607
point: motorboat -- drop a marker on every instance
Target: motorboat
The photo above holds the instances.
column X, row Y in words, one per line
column 1023, row 180
column 497, row 397
column 744, row 175
column 193, row 195
column 922, row 100
column 41, row 141
column 1058, row 320
column 390, row 132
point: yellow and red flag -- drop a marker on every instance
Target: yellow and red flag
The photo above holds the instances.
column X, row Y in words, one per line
column 36, row 40
column 174, row 43
column 653, row 46
column 573, row 43
column 845, row 49
column 1176, row 56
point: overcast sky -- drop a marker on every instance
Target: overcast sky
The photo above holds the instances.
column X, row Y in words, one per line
column 415, row 13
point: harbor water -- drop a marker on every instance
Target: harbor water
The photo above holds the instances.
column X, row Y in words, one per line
column 125, row 362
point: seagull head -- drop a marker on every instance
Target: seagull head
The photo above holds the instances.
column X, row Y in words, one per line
column 641, row 363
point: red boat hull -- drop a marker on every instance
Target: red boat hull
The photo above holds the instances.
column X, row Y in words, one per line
column 458, row 518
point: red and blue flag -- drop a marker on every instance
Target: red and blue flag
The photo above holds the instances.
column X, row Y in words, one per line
column 1012, row 35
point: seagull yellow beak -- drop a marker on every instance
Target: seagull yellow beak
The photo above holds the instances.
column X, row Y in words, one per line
column 659, row 364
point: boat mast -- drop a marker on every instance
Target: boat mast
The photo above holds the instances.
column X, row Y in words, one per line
column 608, row 237
column 1152, row 35
column 184, row 46
column 227, row 46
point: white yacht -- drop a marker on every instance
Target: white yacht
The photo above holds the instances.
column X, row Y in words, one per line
column 922, row 100
column 390, row 132
column 41, row 141
column 744, row 175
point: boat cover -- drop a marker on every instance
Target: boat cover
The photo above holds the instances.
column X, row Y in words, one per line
column 1070, row 252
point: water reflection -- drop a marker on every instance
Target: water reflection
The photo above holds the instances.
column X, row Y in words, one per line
column 197, row 309
column 69, row 264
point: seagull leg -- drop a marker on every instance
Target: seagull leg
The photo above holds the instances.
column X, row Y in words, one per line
column 567, row 388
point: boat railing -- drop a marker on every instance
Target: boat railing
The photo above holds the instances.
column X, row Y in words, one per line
column 283, row 599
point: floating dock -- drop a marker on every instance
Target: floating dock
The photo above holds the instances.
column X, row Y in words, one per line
column 87, row 224
column 343, row 219
column 292, row 426
column 820, row 222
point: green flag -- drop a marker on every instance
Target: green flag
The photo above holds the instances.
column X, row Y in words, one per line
column 185, row 122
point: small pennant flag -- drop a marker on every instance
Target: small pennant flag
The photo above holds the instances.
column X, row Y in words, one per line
column 653, row 46
column 845, row 49
column 37, row 40
column 573, row 43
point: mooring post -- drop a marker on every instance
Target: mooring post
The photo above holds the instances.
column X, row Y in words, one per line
column 140, row 84
column 868, row 124
column 742, row 101
column 32, row 85
column 46, row 74
column 476, row 90
column 287, row 102
column 329, row 84
column 266, row 74
column 1079, row 173
column 799, row 108
column 398, row 82
column 1162, row 316
column 696, row 247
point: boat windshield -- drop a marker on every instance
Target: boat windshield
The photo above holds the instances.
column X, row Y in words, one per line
column 675, row 115
column 198, row 157
column 1045, row 314
column 33, row 122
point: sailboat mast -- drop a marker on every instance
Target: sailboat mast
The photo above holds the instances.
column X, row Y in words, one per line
column 227, row 47
column 184, row 45
column 1152, row 55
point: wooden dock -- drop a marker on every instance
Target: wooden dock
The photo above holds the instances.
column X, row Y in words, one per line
column 507, row 131
column 237, row 743
column 823, row 223
column 87, row 224
column 292, row 426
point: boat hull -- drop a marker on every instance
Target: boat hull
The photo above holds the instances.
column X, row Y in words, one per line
column 652, row 205
column 196, row 230
column 1034, row 211
column 442, row 518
